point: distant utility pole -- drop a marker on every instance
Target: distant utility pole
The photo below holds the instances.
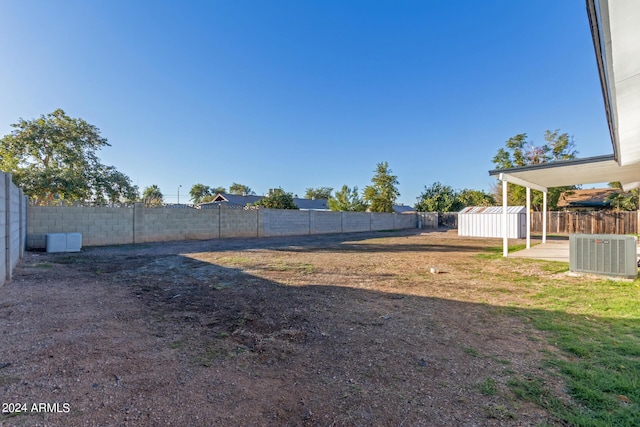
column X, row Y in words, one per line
column 179, row 193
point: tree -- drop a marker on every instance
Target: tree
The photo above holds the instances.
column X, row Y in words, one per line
column 113, row 186
column 318, row 193
column 468, row 197
column 277, row 199
column 382, row 194
column 241, row 190
column 623, row 201
column 438, row 198
column 152, row 196
column 519, row 151
column 443, row 198
column 198, row 192
column 54, row 156
column 347, row 200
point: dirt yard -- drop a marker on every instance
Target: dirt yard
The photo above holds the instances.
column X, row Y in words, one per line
column 340, row 330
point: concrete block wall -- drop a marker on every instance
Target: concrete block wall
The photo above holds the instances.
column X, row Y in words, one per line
column 165, row 224
column 408, row 220
column 382, row 221
column 353, row 222
column 5, row 269
column 238, row 222
column 13, row 225
column 325, row 222
column 284, row 222
column 111, row 226
column 99, row 226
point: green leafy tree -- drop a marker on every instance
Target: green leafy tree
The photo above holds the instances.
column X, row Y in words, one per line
column 318, row 193
column 198, row 192
column 55, row 156
column 201, row 193
column 240, row 189
column 519, row 151
column 438, row 198
column 277, row 199
column 152, row 196
column 443, row 198
column 468, row 197
column 383, row 192
column 112, row 186
column 623, row 200
column 347, row 199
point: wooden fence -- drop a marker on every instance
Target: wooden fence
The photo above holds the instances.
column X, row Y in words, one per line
column 596, row 222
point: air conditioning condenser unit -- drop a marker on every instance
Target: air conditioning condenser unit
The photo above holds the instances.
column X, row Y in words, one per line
column 606, row 254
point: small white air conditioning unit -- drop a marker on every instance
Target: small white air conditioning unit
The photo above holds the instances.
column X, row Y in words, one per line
column 607, row 254
column 63, row 242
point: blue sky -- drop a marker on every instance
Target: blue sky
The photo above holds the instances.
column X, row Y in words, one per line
column 299, row 94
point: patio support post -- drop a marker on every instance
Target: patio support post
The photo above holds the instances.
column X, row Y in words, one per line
column 544, row 217
column 505, row 232
column 528, row 217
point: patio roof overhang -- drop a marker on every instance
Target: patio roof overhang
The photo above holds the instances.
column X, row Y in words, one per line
column 590, row 170
column 616, row 34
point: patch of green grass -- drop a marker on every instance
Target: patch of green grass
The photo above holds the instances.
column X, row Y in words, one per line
column 214, row 351
column 498, row 412
column 208, row 357
column 234, row 260
column 301, row 267
column 177, row 345
column 596, row 325
column 554, row 267
column 488, row 387
column 495, row 252
column 45, row 265
column 501, row 361
column 472, row 351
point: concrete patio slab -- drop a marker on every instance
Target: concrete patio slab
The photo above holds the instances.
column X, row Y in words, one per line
column 554, row 250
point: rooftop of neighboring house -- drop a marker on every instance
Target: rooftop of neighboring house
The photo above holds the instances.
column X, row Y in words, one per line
column 239, row 200
column 403, row 209
column 244, row 200
column 593, row 198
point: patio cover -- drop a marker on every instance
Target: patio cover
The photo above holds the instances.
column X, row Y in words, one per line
column 616, row 34
column 589, row 170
